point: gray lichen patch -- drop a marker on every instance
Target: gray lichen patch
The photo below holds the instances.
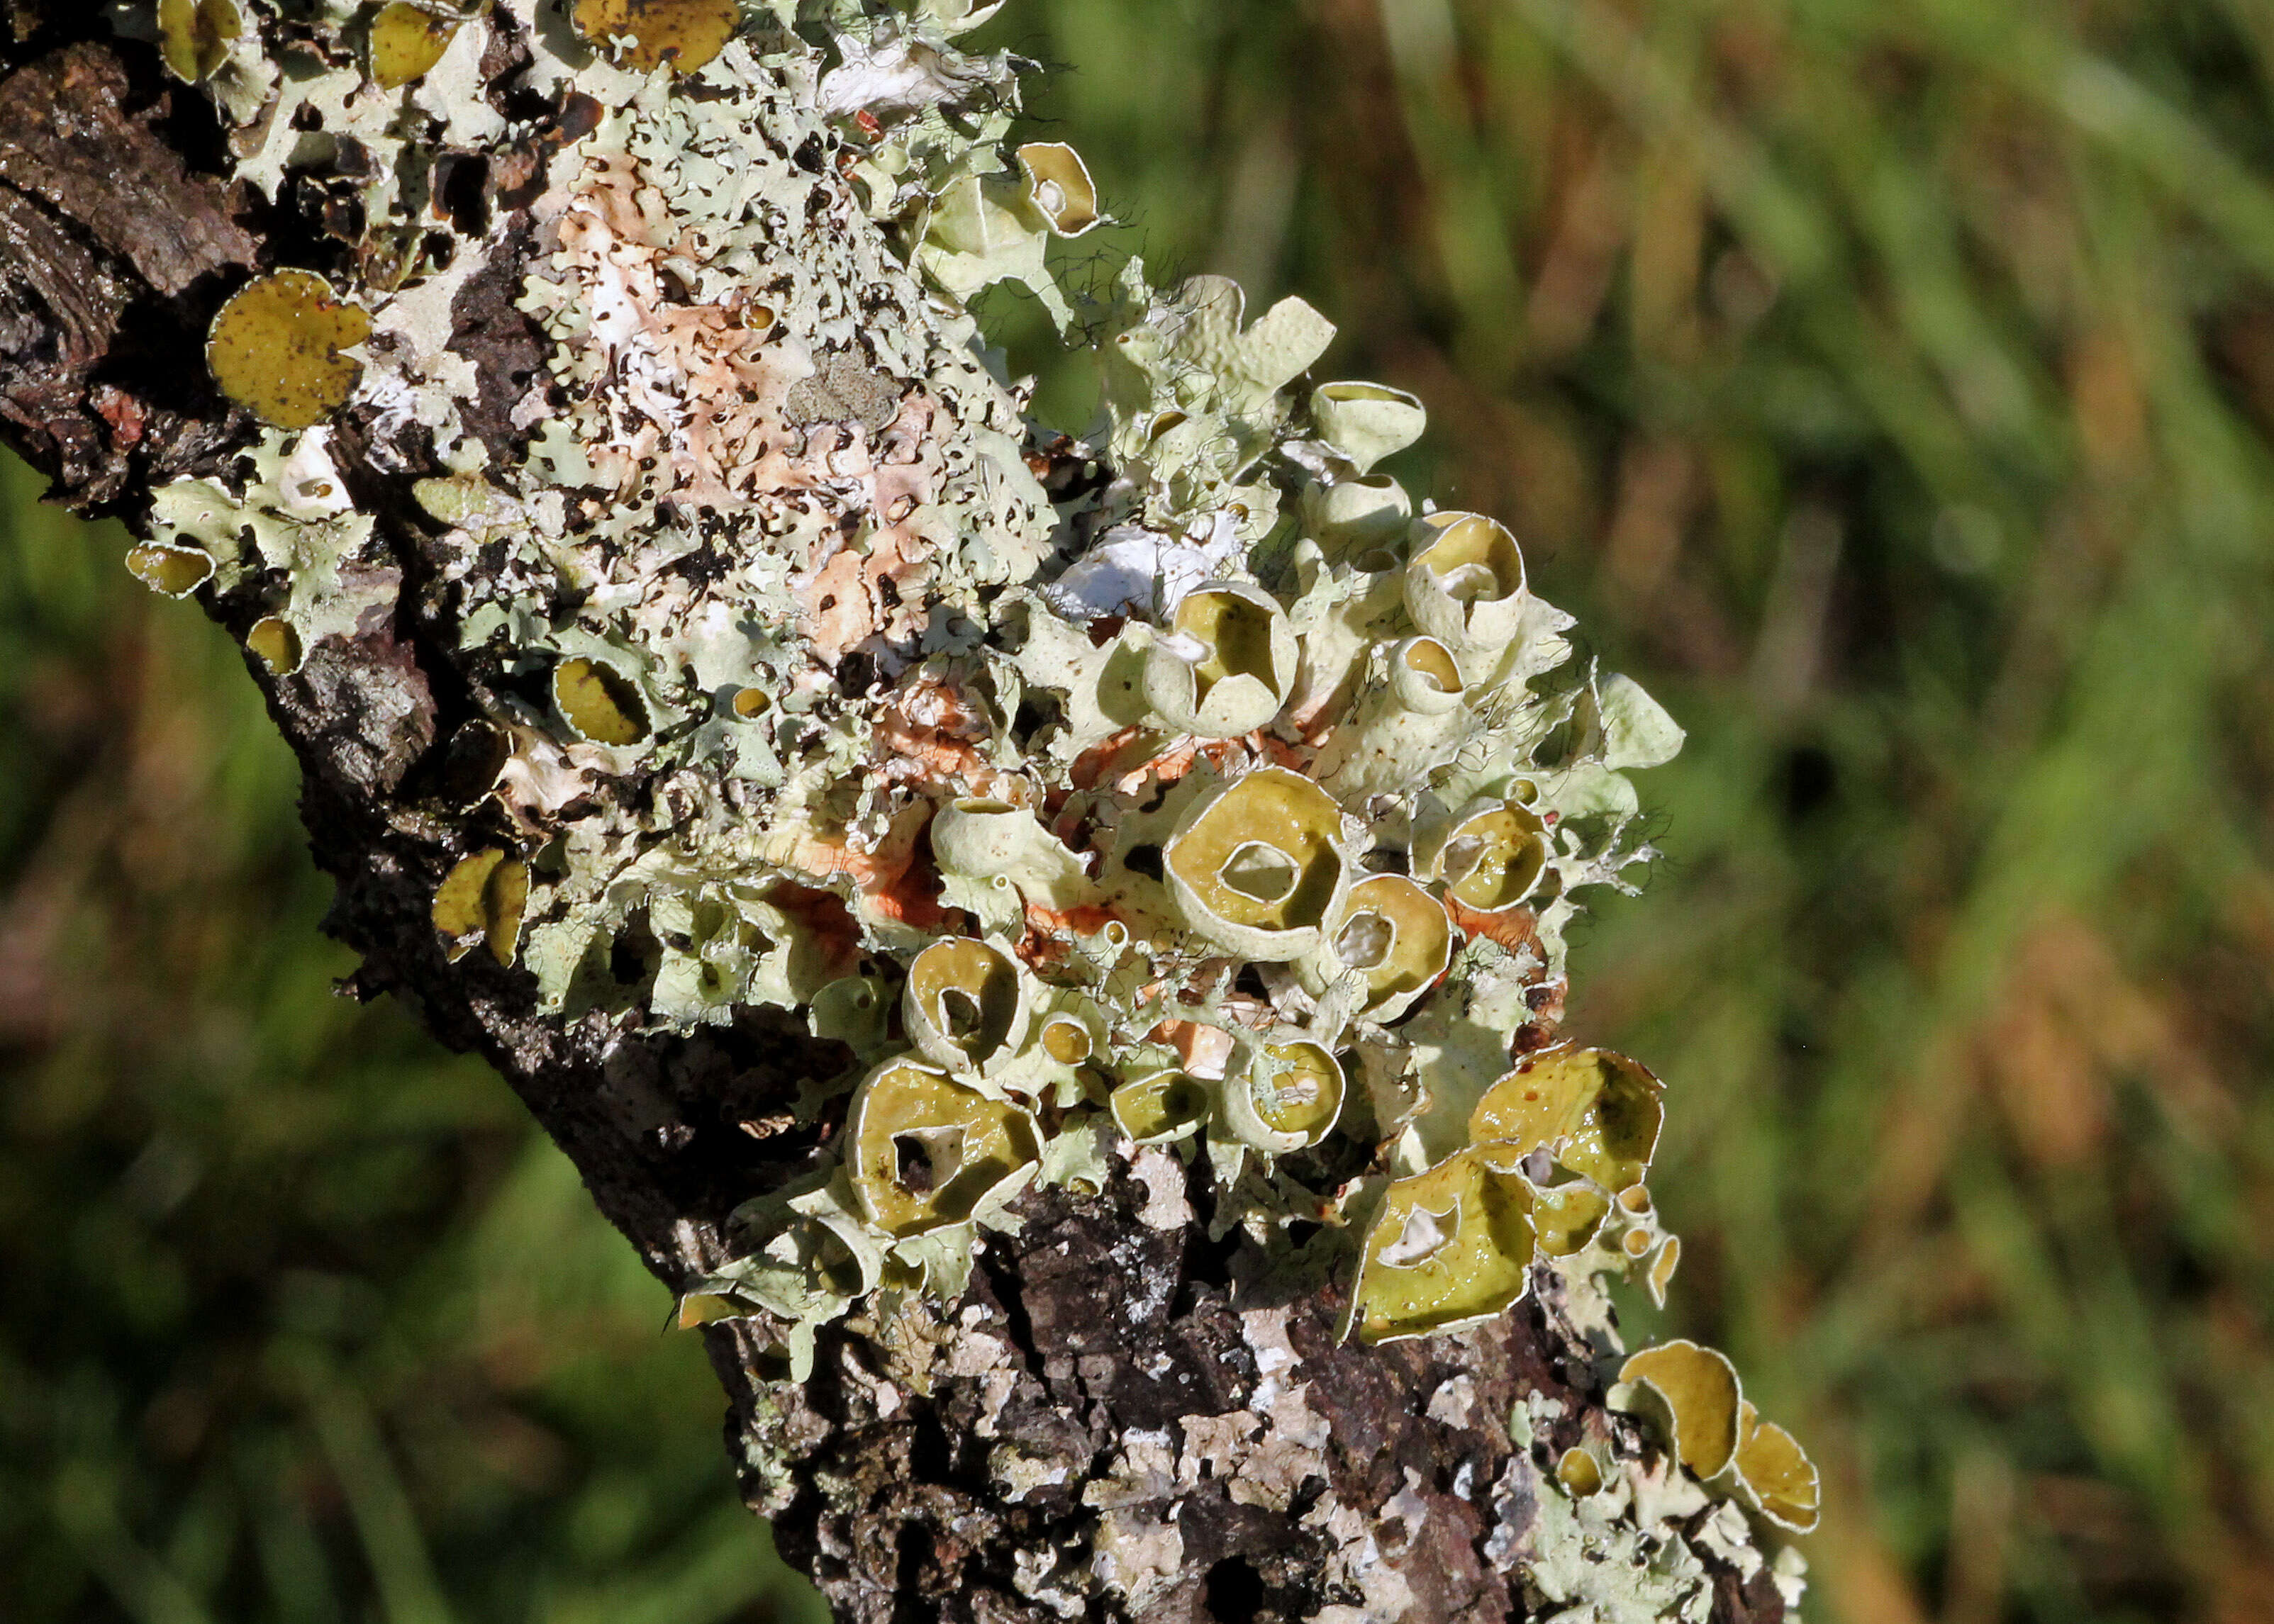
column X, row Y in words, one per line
column 842, row 389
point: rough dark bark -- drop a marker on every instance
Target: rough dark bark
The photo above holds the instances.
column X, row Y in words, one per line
column 1114, row 1382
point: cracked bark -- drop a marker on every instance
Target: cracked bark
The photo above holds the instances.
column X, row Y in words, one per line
column 1113, row 1382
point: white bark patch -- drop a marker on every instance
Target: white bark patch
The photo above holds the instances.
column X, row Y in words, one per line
column 1408, row 1507
column 892, row 76
column 1356, row 1563
column 311, row 486
column 1146, row 1471
column 881, row 1397
column 995, row 1389
column 1163, row 1178
column 1137, row 1554
column 1789, row 1573
column 976, row 1353
column 1661, row 1492
column 1292, row 1452
column 1291, row 1447
column 1130, row 569
column 540, row 778
column 1020, row 1474
column 1265, row 1332
column 1035, row 1576
column 1216, row 1446
column 1726, row 1535
column 989, row 1359
column 1454, row 1402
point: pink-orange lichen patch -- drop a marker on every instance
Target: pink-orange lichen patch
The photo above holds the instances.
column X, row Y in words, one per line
column 874, row 589
column 932, row 731
column 1203, row 1050
column 713, row 407
column 696, row 389
column 1051, row 932
column 830, row 934
column 1515, row 929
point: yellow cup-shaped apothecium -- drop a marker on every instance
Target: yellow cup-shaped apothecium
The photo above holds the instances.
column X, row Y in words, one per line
column 1397, row 935
column 1596, row 1112
column 1059, row 186
column 1225, row 664
column 966, row 1004
column 927, row 1151
column 1259, row 865
column 1450, row 1248
column 1489, row 857
column 1286, row 1097
column 1465, row 584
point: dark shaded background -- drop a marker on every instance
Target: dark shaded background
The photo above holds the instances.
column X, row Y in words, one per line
column 1886, row 384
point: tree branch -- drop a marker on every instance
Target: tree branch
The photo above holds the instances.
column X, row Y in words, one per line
column 582, row 395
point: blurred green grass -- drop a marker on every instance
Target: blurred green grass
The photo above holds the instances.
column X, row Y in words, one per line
column 1888, row 387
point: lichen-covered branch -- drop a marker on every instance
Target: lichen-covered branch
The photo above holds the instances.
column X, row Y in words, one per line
column 1052, row 947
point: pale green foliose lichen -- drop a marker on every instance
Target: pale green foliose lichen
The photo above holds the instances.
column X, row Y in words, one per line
column 1185, row 783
